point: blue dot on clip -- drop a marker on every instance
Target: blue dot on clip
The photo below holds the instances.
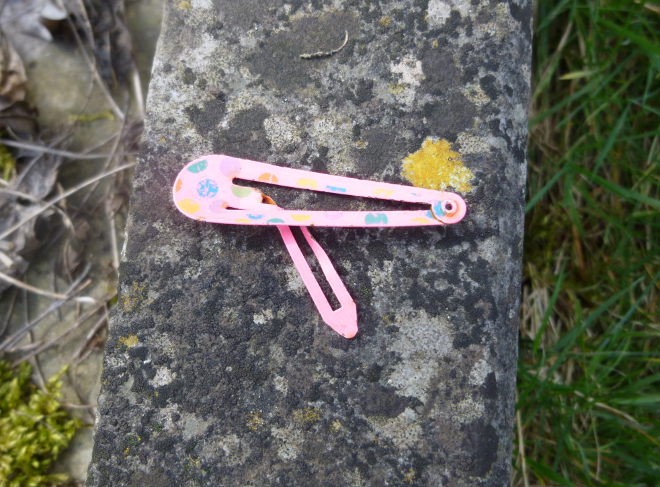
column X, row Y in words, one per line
column 437, row 209
column 207, row 188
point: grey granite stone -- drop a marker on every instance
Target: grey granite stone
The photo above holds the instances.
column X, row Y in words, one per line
column 218, row 370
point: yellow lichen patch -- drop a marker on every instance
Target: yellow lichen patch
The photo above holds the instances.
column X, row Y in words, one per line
column 385, row 21
column 133, row 297
column 307, row 415
column 184, row 5
column 396, row 88
column 436, row 166
column 129, row 341
column 336, row 426
column 435, row 43
column 409, row 476
column 254, row 421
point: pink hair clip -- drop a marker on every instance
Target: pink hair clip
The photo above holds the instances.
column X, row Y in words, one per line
column 204, row 190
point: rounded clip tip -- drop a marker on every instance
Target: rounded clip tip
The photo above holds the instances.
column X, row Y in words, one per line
column 450, row 209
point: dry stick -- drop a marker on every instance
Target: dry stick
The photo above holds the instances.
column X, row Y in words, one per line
column 108, row 162
column 86, row 316
column 521, row 448
column 49, row 150
column 42, row 292
column 64, row 195
column 321, row 54
column 137, row 91
column 9, row 314
column 37, row 364
column 67, row 221
column 81, row 354
column 14, row 338
column 92, row 65
column 113, row 235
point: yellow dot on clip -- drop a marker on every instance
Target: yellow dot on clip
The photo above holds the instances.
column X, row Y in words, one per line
column 423, row 221
column 307, row 183
column 384, row 193
column 301, row 218
column 189, row 206
column 242, row 220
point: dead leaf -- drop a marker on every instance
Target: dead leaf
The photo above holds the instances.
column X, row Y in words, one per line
column 27, row 16
column 12, row 75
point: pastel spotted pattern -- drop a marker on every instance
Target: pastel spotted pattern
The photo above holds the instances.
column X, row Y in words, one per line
column 204, row 189
column 207, row 188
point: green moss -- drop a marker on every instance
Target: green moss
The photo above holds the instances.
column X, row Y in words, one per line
column 34, row 429
column 7, row 164
column 92, row 117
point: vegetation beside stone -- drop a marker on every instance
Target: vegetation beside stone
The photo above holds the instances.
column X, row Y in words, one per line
column 34, row 429
column 589, row 378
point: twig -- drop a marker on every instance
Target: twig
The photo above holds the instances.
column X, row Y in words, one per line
column 137, row 91
column 37, row 365
column 42, row 292
column 95, row 73
column 113, row 234
column 321, row 54
column 10, row 313
column 67, row 221
column 521, row 448
column 80, row 355
column 62, row 196
column 75, row 326
column 18, row 335
column 49, row 150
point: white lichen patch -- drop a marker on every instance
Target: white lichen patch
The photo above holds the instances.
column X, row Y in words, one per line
column 335, row 131
column 164, row 417
column 293, row 280
column 281, row 132
column 466, row 411
column 263, row 317
column 422, row 340
column 382, row 276
column 409, row 69
column 404, row 430
column 474, row 93
column 471, row 144
column 281, row 384
column 410, row 74
column 439, row 11
column 202, row 4
column 479, row 372
column 163, row 377
column 290, row 442
column 235, row 451
column 193, row 425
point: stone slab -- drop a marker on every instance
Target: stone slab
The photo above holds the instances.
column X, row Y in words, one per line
column 218, row 370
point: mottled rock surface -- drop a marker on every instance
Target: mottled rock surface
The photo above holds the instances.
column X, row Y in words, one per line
column 218, row 370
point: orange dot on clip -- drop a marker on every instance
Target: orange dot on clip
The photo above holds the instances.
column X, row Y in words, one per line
column 178, row 185
column 267, row 178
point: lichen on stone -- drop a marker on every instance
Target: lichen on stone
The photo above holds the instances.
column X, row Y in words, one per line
column 436, row 166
